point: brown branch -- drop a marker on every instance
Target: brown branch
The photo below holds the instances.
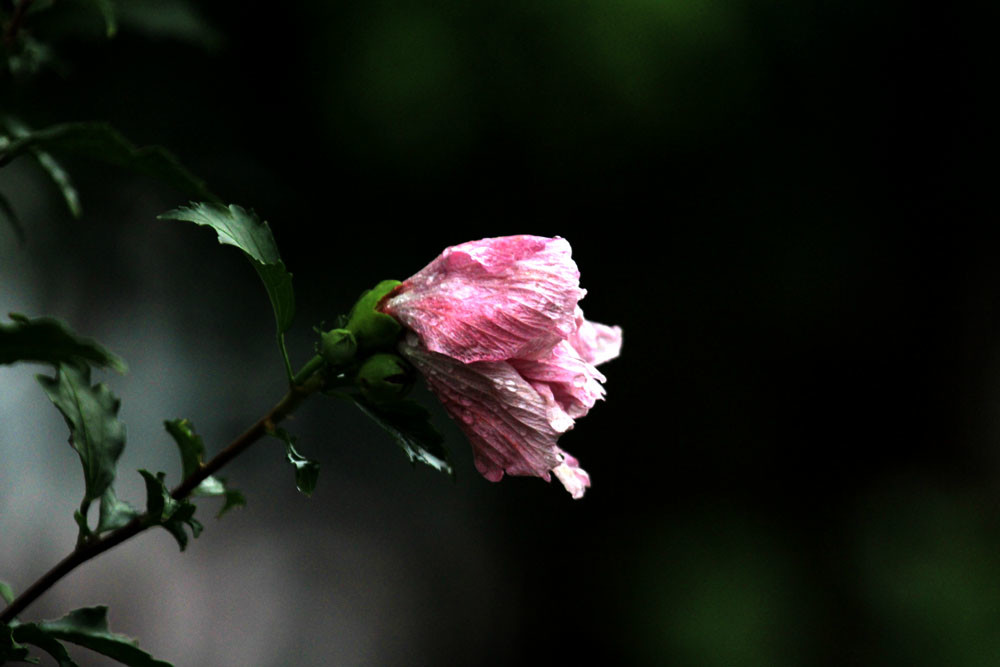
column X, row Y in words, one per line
column 93, row 548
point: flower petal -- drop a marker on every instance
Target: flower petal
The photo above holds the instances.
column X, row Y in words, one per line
column 509, row 425
column 564, row 378
column 493, row 299
column 595, row 342
column 573, row 477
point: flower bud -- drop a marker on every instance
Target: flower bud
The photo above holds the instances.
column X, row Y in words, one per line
column 373, row 329
column 384, row 378
column 337, row 347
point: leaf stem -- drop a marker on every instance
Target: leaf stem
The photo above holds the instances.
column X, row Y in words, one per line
column 84, row 552
column 284, row 355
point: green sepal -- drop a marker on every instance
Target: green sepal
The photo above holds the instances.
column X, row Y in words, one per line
column 241, row 228
column 88, row 627
column 385, row 378
column 372, row 329
column 337, row 347
column 91, row 412
column 306, row 469
column 409, row 425
column 163, row 510
column 49, row 341
column 192, row 451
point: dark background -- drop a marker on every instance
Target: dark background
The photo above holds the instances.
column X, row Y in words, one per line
column 783, row 206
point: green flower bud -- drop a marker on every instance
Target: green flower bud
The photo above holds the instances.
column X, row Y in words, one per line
column 385, row 378
column 373, row 329
column 337, row 347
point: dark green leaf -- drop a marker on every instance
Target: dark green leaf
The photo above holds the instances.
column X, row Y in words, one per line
column 62, row 180
column 306, row 470
column 108, row 12
column 409, row 424
column 192, row 450
column 29, row 633
column 88, row 627
column 10, row 215
column 163, row 510
column 243, row 229
column 49, row 164
column 46, row 340
column 168, row 19
column 102, row 142
column 115, row 513
column 233, row 499
column 6, row 592
column 91, row 412
column 189, row 443
column 10, row 649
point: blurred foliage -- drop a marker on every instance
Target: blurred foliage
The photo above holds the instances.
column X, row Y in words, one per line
column 775, row 200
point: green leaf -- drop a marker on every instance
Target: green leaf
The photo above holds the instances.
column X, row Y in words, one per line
column 192, row 450
column 49, row 341
column 62, row 180
column 29, row 633
column 10, row 215
column 233, row 499
column 241, row 228
column 115, row 513
column 88, row 627
column 91, row 412
column 163, row 510
column 409, row 424
column 306, row 470
column 108, row 12
column 6, row 592
column 102, row 142
column 10, row 649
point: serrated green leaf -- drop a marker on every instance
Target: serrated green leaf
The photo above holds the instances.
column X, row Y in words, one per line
column 88, row 627
column 10, row 215
column 306, row 470
column 47, row 340
column 409, row 424
column 115, row 513
column 241, row 228
column 91, row 412
column 10, row 649
column 6, row 592
column 163, row 510
column 234, row 498
column 192, row 450
column 102, row 142
column 29, row 633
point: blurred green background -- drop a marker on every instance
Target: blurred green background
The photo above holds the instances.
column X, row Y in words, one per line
column 783, row 205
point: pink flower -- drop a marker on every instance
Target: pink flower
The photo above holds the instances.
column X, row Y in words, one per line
column 494, row 327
